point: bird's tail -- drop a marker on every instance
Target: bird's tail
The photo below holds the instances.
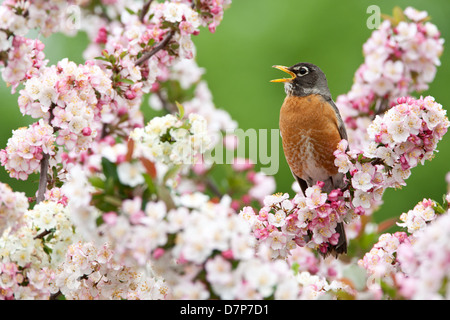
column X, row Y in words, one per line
column 341, row 246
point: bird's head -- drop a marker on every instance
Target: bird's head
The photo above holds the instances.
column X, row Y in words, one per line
column 306, row 78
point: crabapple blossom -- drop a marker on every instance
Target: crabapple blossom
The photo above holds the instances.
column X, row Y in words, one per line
column 31, row 241
column 398, row 141
column 283, row 224
column 380, row 261
column 417, row 218
column 35, row 248
column 408, row 262
column 12, row 207
column 66, row 96
column 424, row 262
column 25, row 59
column 171, row 140
column 400, row 57
column 24, row 150
column 89, row 272
column 47, row 16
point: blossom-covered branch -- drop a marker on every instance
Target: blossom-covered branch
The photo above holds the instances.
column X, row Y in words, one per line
column 403, row 137
column 401, row 57
column 127, row 208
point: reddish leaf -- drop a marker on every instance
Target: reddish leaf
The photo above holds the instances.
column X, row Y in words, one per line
column 149, row 167
column 130, row 146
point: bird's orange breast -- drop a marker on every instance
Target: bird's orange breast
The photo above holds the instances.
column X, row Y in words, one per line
column 309, row 131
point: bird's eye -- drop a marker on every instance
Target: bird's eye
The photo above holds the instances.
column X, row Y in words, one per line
column 303, row 71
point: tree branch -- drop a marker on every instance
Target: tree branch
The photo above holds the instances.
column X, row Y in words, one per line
column 43, row 234
column 43, row 179
column 156, row 48
column 145, row 10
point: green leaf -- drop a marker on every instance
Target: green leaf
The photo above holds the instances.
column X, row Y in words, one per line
column 102, row 58
column 171, row 173
column 112, row 200
column 180, row 110
column 295, row 267
column 438, row 208
column 105, row 54
column 109, row 169
column 99, row 221
column 150, row 184
column 125, row 80
column 47, row 249
column 97, row 182
column 388, row 289
column 123, row 54
column 109, row 186
column 130, row 11
column 112, row 59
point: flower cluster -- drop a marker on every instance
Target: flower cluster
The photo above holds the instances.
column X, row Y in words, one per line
column 400, row 58
column 24, row 150
column 252, row 279
column 380, row 262
column 90, row 273
column 25, row 58
column 403, row 137
column 19, row 17
column 42, row 238
column 414, row 266
column 310, row 220
column 24, row 284
column 141, row 48
column 135, row 212
column 20, row 57
column 30, row 252
column 212, row 12
column 12, row 207
column 417, row 218
column 66, row 95
column 411, row 129
column 196, row 235
column 424, row 263
column 214, row 236
column 171, row 140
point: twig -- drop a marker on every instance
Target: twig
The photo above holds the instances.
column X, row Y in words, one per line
column 156, row 48
column 43, row 179
column 145, row 10
column 43, row 234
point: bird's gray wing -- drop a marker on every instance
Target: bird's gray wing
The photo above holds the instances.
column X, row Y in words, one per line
column 341, row 124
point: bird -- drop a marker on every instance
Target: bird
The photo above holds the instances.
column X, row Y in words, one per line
column 311, row 128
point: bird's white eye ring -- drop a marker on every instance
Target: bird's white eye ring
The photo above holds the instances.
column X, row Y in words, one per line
column 303, row 71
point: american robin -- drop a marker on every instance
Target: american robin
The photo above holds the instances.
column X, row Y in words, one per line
column 311, row 127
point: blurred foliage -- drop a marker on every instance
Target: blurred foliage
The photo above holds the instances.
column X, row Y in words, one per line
column 238, row 59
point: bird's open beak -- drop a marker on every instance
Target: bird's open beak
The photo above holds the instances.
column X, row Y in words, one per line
column 285, row 69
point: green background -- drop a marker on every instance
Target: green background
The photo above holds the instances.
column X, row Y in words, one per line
column 238, row 58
